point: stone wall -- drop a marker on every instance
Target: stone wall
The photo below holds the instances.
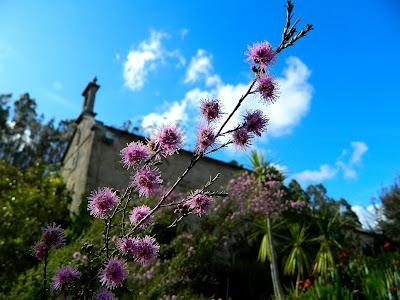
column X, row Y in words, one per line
column 93, row 161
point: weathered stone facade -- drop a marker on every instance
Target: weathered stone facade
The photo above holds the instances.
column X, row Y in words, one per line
column 92, row 158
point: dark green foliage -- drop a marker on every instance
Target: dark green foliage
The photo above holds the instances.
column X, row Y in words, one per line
column 390, row 198
column 26, row 137
column 30, row 199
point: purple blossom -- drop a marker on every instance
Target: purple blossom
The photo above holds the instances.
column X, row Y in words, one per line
column 249, row 195
column 102, row 202
column 53, row 236
column 210, row 109
column 205, row 138
column 114, row 273
column 199, row 203
column 296, row 204
column 267, row 88
column 146, row 250
column 134, row 153
column 255, row 122
column 146, row 180
column 127, row 246
column 138, row 213
column 40, row 250
column 241, row 137
column 169, row 139
column 261, row 53
column 66, row 276
column 104, row 295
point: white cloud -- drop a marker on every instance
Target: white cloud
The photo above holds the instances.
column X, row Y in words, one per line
column 294, row 99
column 140, row 61
column 293, row 104
column 347, row 163
column 200, row 67
column 178, row 55
column 323, row 173
column 359, row 148
column 368, row 216
column 184, row 32
column 146, row 58
column 175, row 114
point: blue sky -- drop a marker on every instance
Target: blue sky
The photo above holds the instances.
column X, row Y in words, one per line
column 337, row 118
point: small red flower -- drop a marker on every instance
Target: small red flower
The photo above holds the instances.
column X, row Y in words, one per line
column 387, row 245
column 307, row 283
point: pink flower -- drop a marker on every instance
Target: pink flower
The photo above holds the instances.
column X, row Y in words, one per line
column 241, row 137
column 296, row 204
column 199, row 203
column 134, row 154
column 127, row 246
column 104, row 295
column 76, row 255
column 66, row 276
column 114, row 273
column 169, row 139
column 267, row 88
column 53, row 236
column 205, row 138
column 138, row 213
column 261, row 54
column 146, row 180
column 85, row 260
column 210, row 109
column 102, row 202
column 255, row 122
column 40, row 250
column 146, row 250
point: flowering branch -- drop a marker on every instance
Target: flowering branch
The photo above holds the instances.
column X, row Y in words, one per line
column 208, row 184
column 288, row 32
column 142, row 160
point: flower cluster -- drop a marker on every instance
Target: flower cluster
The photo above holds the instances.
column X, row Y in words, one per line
column 104, row 295
column 297, row 204
column 142, row 159
column 138, row 213
column 168, row 139
column 211, row 109
column 199, row 203
column 134, row 154
column 261, row 54
column 255, row 122
column 146, row 180
column 114, row 273
column 65, row 277
column 205, row 138
column 102, row 202
column 141, row 250
column 52, row 238
column 252, row 195
column 267, row 88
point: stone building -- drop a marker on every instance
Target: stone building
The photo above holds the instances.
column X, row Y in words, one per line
column 92, row 157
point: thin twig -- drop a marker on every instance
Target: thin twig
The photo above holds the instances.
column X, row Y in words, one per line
column 222, row 146
column 208, row 183
column 237, row 106
column 124, row 212
column 288, row 31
